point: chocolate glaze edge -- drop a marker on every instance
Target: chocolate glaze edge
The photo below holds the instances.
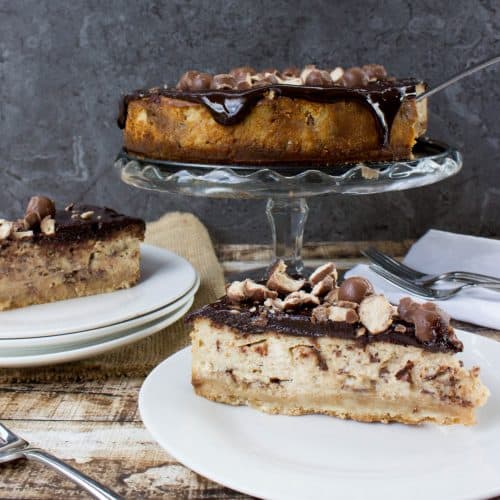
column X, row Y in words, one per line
column 297, row 324
column 383, row 98
column 103, row 223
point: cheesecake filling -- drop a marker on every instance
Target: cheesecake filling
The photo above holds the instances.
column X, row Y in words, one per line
column 279, row 373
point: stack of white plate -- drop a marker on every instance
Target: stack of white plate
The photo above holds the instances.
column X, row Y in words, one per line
column 78, row 328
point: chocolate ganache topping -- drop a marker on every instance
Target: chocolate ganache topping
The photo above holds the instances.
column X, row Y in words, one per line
column 317, row 307
column 43, row 223
column 231, row 96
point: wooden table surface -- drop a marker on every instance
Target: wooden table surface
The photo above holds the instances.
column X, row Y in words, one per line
column 96, row 427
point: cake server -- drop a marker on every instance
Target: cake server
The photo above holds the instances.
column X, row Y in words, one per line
column 458, row 77
column 12, row 447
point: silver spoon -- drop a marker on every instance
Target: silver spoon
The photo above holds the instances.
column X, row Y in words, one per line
column 458, row 77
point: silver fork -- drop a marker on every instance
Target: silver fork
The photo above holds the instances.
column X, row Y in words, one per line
column 424, row 291
column 13, row 447
column 423, row 279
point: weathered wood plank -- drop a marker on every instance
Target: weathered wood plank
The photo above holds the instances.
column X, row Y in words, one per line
column 113, row 401
column 316, row 250
column 231, row 268
column 120, row 455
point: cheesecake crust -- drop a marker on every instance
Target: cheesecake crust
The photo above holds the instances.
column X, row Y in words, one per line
column 363, row 408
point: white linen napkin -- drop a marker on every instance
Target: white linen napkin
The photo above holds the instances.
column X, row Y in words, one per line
column 439, row 251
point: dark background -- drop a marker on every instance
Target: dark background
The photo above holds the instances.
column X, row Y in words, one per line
column 64, row 64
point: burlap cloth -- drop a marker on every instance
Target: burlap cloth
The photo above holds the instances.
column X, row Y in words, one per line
column 183, row 234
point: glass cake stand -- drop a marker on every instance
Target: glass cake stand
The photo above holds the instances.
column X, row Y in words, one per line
column 287, row 186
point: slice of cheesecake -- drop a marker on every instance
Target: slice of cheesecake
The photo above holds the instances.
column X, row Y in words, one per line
column 296, row 346
column 54, row 254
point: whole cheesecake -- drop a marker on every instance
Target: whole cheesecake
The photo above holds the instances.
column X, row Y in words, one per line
column 271, row 117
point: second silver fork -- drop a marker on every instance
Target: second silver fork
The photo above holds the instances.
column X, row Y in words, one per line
column 426, row 291
column 403, row 271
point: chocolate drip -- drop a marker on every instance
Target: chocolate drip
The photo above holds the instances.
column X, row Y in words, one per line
column 382, row 98
column 299, row 323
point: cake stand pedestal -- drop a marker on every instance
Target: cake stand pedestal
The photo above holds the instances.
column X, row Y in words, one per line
column 287, row 187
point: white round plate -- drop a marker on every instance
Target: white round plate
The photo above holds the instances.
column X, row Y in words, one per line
column 12, row 347
column 320, row 457
column 64, row 355
column 165, row 277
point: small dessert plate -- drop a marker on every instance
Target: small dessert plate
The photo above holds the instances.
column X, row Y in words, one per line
column 92, row 348
column 320, row 457
column 165, row 277
column 9, row 347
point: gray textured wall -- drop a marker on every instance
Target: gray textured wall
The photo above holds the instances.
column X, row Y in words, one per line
column 64, row 64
